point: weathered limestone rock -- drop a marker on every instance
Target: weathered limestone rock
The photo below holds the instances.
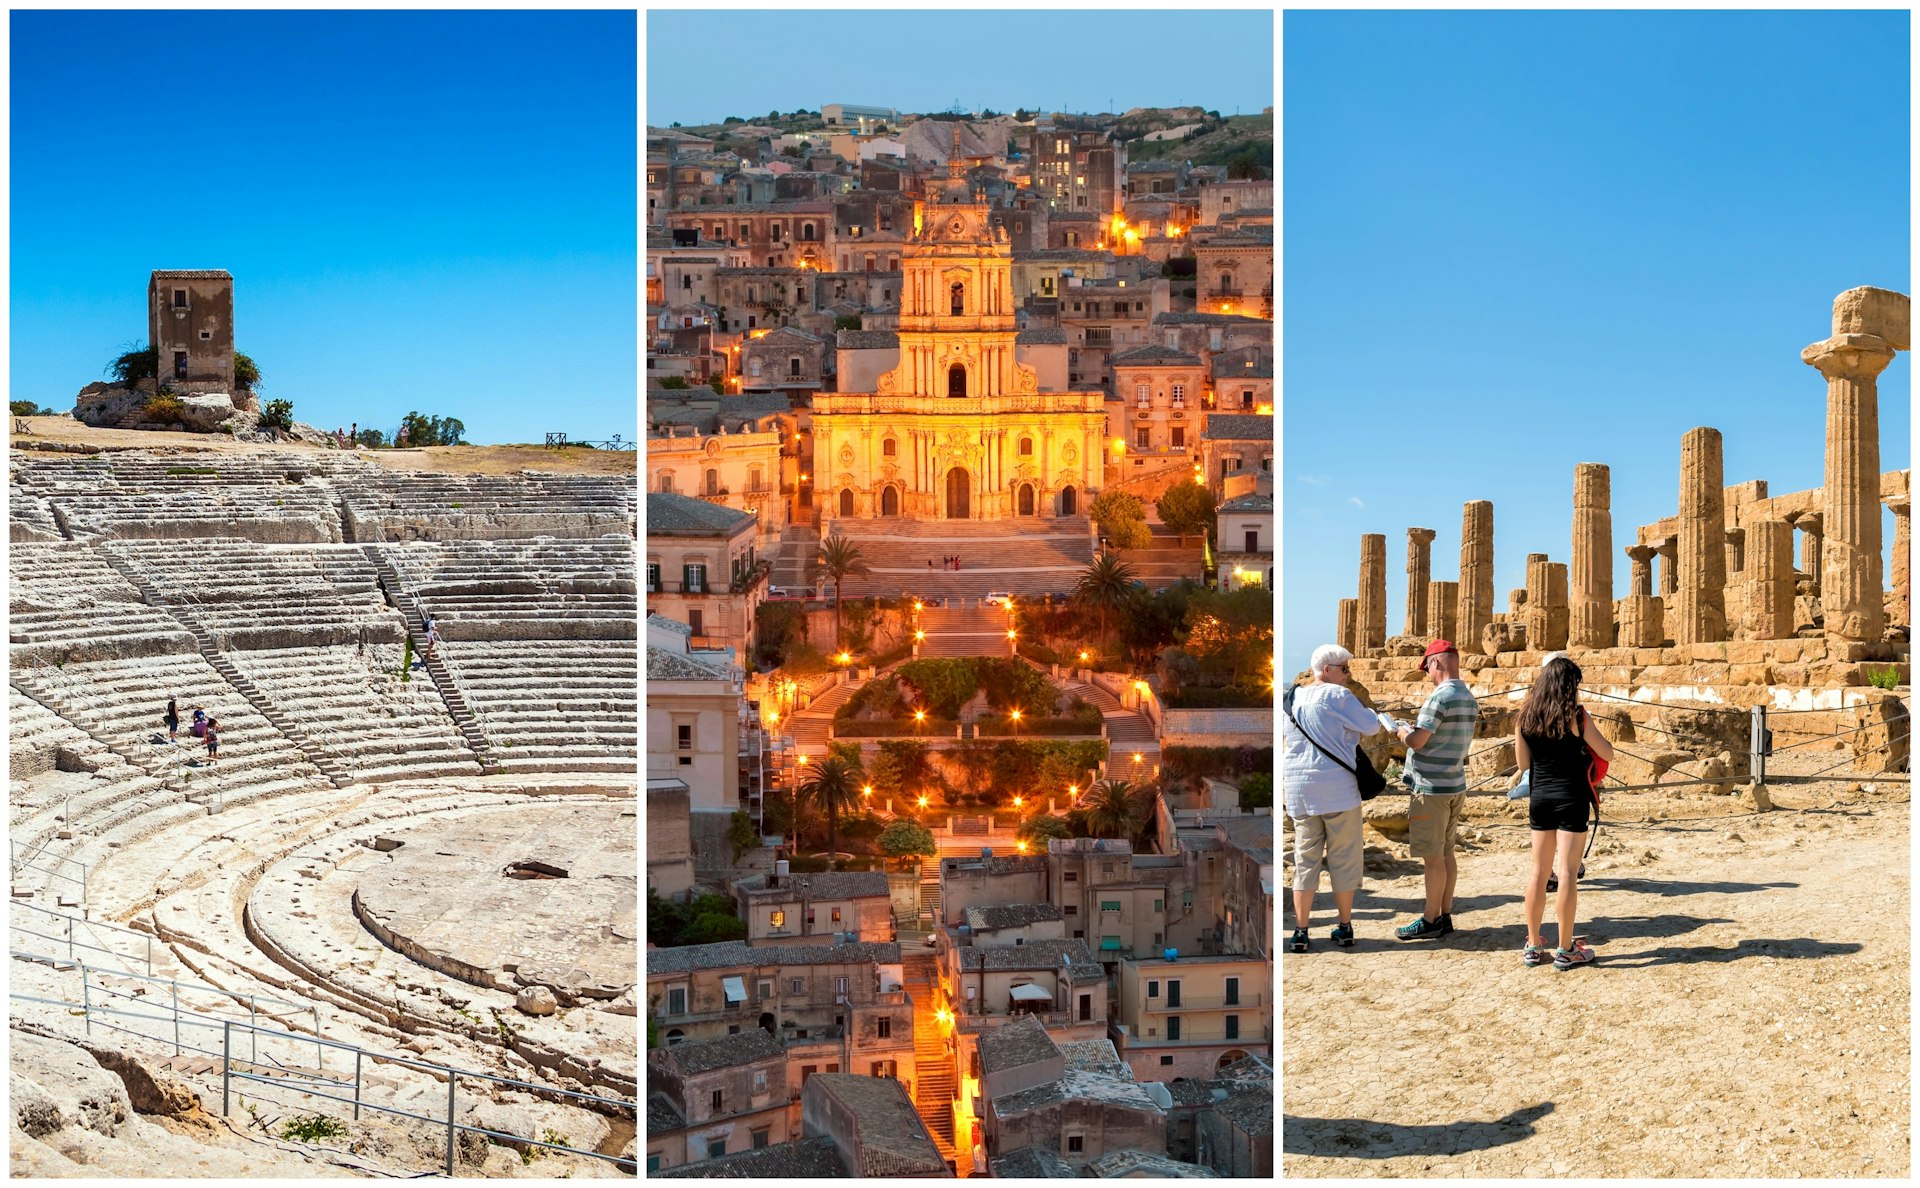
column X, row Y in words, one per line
column 1590, row 577
column 1372, row 610
column 1517, row 603
column 1882, row 313
column 1770, row 583
column 1643, row 622
column 1476, row 575
column 1669, row 551
column 1900, row 608
column 1405, row 645
column 1546, row 606
column 1498, row 637
column 1703, row 563
column 109, row 406
column 1885, row 741
column 536, row 1000
column 1736, row 541
column 1419, row 576
column 1443, row 602
column 1347, row 631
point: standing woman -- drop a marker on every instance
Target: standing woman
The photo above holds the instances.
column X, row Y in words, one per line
column 1322, row 793
column 1555, row 741
column 173, row 718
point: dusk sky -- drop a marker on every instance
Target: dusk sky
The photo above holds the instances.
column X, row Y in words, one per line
column 429, row 211
column 924, row 61
column 1518, row 241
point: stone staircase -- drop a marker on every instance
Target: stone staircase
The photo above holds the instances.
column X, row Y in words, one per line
column 463, row 717
column 933, row 1084
column 1024, row 556
column 974, row 631
column 329, row 765
column 798, row 544
column 809, row 727
column 1128, row 733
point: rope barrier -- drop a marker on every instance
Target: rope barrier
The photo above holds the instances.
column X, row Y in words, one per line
column 1821, row 738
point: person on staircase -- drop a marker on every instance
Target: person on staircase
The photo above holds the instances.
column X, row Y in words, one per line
column 173, row 719
column 213, row 740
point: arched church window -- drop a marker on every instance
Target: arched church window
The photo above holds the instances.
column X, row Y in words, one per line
column 889, row 448
column 1026, row 447
column 959, row 293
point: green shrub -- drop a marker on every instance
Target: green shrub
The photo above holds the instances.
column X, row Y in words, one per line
column 163, row 408
column 278, row 414
column 246, row 373
column 311, row 1128
column 134, row 365
column 1884, row 678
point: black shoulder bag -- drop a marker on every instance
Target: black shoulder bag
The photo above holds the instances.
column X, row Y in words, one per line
column 1371, row 782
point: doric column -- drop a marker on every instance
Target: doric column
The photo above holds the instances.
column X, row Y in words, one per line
column 1476, row 576
column 1345, row 633
column 1641, row 580
column 1702, row 547
column 1419, row 574
column 1736, row 538
column 1808, row 524
column 1770, row 579
column 1373, row 593
column 1590, row 615
column 1443, row 606
column 1669, row 551
column 1902, row 509
column 1868, row 326
column 1546, row 606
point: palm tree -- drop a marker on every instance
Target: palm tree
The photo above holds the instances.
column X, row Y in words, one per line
column 839, row 558
column 1112, row 809
column 834, row 783
column 1105, row 584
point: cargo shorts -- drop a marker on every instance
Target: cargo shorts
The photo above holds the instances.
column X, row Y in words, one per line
column 1433, row 822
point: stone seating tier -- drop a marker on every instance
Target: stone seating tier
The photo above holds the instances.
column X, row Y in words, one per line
column 66, row 603
column 28, row 516
column 121, row 702
column 462, row 507
column 359, row 711
column 284, row 515
column 557, row 705
column 523, row 590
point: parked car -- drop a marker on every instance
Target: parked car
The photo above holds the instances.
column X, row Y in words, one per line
column 998, row 598
column 778, row 593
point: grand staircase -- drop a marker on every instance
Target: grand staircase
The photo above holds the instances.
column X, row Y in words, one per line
column 958, row 630
column 933, row 1082
column 1128, row 734
column 1021, row 556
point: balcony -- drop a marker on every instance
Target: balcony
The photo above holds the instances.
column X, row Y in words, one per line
column 1219, row 294
column 1188, row 1002
column 1189, row 1038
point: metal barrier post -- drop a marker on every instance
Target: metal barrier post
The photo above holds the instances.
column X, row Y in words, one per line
column 453, row 1079
column 356, row 1084
column 253, row 1025
column 69, row 921
column 149, row 956
column 226, row 1064
column 175, row 987
column 86, row 1003
column 1758, row 761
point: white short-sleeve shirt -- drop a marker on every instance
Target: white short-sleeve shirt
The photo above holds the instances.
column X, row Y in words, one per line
column 1312, row 784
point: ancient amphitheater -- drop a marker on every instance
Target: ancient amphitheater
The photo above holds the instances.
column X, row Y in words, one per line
column 403, row 897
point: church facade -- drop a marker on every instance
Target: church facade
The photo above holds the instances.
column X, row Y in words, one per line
column 959, row 429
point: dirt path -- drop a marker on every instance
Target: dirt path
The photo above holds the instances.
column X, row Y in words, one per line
column 1747, row 1016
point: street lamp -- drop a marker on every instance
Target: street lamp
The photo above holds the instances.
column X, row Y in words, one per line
column 1136, row 756
column 1015, row 715
column 919, row 718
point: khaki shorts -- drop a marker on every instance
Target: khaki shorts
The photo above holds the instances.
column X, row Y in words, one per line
column 1432, row 823
column 1329, row 842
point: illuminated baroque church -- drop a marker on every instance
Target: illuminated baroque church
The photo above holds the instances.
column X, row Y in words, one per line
column 959, row 429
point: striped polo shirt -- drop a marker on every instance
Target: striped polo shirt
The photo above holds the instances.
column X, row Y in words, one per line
column 1440, row 767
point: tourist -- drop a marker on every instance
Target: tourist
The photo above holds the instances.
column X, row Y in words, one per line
column 433, row 638
column 213, row 740
column 353, row 438
column 199, row 728
column 1436, row 775
column 340, row 436
column 1555, row 743
column 1323, row 722
column 400, row 438
column 929, row 564
column 173, row 719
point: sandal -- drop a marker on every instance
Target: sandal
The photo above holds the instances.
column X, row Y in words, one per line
column 1534, row 955
column 1301, row 941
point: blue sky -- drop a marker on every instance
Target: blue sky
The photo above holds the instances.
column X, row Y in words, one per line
column 924, row 61
column 1525, row 240
column 430, row 211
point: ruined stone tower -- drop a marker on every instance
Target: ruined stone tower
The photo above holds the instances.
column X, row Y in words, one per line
column 190, row 325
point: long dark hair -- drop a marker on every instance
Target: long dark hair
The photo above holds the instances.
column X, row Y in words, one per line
column 1552, row 709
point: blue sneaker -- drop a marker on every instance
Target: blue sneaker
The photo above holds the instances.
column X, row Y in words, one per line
column 1342, row 935
column 1445, row 923
column 1420, row 929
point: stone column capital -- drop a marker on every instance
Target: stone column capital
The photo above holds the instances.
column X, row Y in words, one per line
column 1667, row 546
column 1641, row 553
column 1899, row 505
column 1421, row 535
column 1736, row 534
column 1849, row 356
column 1808, row 522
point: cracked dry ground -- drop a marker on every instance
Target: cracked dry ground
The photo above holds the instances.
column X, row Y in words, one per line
column 1748, row 1014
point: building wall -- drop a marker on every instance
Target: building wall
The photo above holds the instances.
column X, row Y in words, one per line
column 1162, row 412
column 1232, row 1152
column 669, row 842
column 963, row 886
column 1216, row 728
column 1146, row 1009
column 1232, row 197
column 734, row 458
column 771, row 990
column 1101, row 1127
column 814, row 921
column 726, row 619
column 201, row 329
column 712, row 708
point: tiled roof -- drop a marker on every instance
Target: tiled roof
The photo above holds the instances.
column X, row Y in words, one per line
column 1248, row 503
column 1041, row 336
column 1077, row 1086
column 1132, row 1163
column 833, row 884
column 1015, row 1043
column 1041, row 954
column 737, row 954
column 668, row 512
column 1097, row 1056
column 194, row 273
column 998, row 864
column 802, row 1159
column 674, row 625
column 892, row 1140
column 1251, row 1068
column 1249, row 1106
column 747, row 1046
column 1227, row 366
column 1013, row 915
column 1238, row 427
column 1073, row 254
column 1253, row 834
column 1152, row 355
column 788, row 334
column 663, row 665
column 1204, row 319
column 1033, row 1163
column 662, row 1116
column 867, row 340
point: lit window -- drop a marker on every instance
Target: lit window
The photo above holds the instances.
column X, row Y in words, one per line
column 779, row 919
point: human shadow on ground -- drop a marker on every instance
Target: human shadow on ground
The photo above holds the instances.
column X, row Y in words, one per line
column 1798, row 948
column 1362, row 1138
column 1512, row 933
column 1667, row 888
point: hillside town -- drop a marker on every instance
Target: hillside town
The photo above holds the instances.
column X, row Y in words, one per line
column 959, row 547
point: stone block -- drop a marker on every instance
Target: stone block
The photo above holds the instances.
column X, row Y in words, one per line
column 1749, row 674
column 1711, row 652
column 1791, row 675
column 536, row 1000
column 1885, row 740
column 1386, row 815
column 1879, row 312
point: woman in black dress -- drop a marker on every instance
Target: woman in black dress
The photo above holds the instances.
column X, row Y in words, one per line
column 173, row 719
column 1555, row 741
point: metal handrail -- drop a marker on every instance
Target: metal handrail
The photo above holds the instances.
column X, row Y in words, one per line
column 145, row 938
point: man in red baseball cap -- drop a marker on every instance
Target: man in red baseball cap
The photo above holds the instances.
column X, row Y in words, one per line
column 1436, row 775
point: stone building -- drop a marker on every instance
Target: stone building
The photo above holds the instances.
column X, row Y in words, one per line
column 1219, row 200
column 873, row 1125
column 1243, row 380
column 1245, row 539
column 1090, row 1109
column 1107, row 317
column 1235, row 271
column 959, row 428
column 1209, row 334
column 1159, row 393
column 704, row 570
column 788, row 360
column 732, row 451
column 991, row 880
column 190, row 326
column 773, row 234
column 669, row 837
column 1081, row 171
column 812, row 909
column 1191, row 1015
column 729, row 1092
column 1232, row 443
column 693, row 717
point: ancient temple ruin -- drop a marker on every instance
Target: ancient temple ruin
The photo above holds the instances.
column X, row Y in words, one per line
column 1714, row 607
